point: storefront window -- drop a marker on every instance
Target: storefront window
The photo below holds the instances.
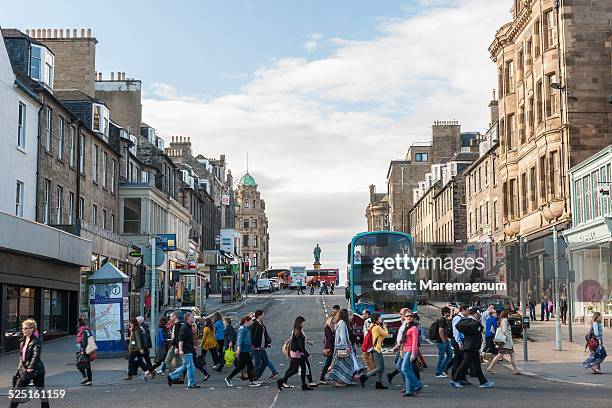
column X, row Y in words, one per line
column 20, row 304
column 53, row 310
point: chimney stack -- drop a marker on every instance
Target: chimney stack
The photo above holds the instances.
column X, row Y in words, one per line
column 372, row 192
column 494, row 109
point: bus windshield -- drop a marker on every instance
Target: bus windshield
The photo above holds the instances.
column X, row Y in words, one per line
column 365, row 249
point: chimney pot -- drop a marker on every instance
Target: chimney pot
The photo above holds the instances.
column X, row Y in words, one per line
column 82, row 33
column 61, row 33
column 88, row 32
column 74, row 33
column 27, row 32
column 55, row 33
column 112, row 75
column 67, row 33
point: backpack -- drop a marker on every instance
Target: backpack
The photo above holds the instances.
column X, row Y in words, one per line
column 592, row 343
column 287, row 347
column 367, row 342
column 433, row 331
column 468, row 327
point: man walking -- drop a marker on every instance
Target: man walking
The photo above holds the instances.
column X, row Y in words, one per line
column 443, row 343
column 300, row 288
column 261, row 341
column 186, row 350
column 457, row 343
column 472, row 340
column 332, row 285
column 544, row 309
column 312, row 286
column 173, row 360
column 532, row 307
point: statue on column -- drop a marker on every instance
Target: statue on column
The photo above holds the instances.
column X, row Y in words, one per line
column 317, row 254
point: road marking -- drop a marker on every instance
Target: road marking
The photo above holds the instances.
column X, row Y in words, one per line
column 275, row 399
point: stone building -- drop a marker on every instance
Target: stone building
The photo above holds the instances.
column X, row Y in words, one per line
column 78, row 169
column 377, row 211
column 554, row 85
column 252, row 223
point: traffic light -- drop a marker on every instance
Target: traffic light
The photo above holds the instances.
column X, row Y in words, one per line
column 176, row 276
column 141, row 275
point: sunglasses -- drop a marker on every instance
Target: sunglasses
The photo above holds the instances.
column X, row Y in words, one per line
column 411, row 316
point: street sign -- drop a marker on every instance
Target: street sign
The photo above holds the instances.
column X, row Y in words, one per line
column 159, row 257
column 225, row 200
column 136, row 254
column 166, row 242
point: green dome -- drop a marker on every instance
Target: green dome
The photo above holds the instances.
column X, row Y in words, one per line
column 248, row 181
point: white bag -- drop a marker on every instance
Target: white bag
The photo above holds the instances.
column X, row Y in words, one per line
column 500, row 337
column 91, row 345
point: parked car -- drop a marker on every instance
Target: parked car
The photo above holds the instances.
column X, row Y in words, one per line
column 197, row 313
column 264, row 285
column 275, row 283
column 422, row 299
column 457, row 299
column 501, row 302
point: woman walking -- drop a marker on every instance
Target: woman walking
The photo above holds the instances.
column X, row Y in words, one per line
column 328, row 351
column 83, row 335
column 298, row 354
column 411, row 351
column 136, row 350
column 379, row 333
column 596, row 356
column 507, row 347
column 162, row 338
column 342, row 367
column 209, row 343
column 31, row 367
column 243, row 353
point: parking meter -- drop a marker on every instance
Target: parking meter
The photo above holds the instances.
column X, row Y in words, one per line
column 526, row 322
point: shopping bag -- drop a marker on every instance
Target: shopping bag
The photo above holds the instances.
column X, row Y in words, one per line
column 229, row 357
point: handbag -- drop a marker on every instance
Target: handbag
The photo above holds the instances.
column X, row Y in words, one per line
column 342, row 353
column 82, row 361
column 230, row 357
column 500, row 337
column 91, row 345
column 160, row 354
column 600, row 353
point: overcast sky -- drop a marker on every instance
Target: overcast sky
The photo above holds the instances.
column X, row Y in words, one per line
column 321, row 94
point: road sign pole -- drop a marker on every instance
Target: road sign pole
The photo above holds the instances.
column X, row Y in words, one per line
column 153, row 324
column 556, row 289
column 521, row 265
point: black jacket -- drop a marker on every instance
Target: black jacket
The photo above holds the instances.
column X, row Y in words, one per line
column 229, row 335
column 32, row 357
column 472, row 332
column 298, row 343
column 257, row 334
column 330, row 336
column 176, row 328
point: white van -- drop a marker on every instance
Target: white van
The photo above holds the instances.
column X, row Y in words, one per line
column 264, row 285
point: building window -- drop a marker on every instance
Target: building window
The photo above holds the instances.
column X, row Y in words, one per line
column 554, row 179
column 520, row 64
column 502, row 134
column 524, row 193
column 19, row 199
column 494, row 171
column 59, row 198
column 245, row 240
column 549, row 29
column 246, row 223
column 532, row 188
column 94, row 164
column 41, row 65
column 246, row 204
column 421, row 157
column 254, row 223
column 144, row 176
column 539, row 103
column 113, row 170
column 81, row 207
column 71, row 146
column 487, row 212
column 542, row 179
column 255, row 241
column 531, row 118
column 132, row 215
column 48, row 129
column 60, row 138
column 513, row 199
column 588, row 215
column 486, row 174
column 509, row 77
column 511, row 132
column 104, row 166
column 112, row 223
column 536, row 39
column 46, row 199
column 494, row 215
column 604, row 200
column 579, row 216
column 479, row 180
column 104, row 225
column 595, row 193
column 254, row 204
column 82, row 153
column 21, row 126
column 70, row 207
column 551, row 95
column 521, row 126
column 528, row 60
column 94, row 214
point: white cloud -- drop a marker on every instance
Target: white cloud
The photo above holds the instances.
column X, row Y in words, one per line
column 313, row 42
column 319, row 132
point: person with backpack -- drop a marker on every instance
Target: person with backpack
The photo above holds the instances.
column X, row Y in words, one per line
column 594, row 339
column 377, row 334
column 440, row 332
column 298, row 354
column 366, row 346
column 244, row 348
column 506, row 346
column 83, row 335
column 472, row 329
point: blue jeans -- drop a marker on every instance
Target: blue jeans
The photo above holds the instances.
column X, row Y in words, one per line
column 261, row 361
column 445, row 355
column 411, row 382
column 186, row 366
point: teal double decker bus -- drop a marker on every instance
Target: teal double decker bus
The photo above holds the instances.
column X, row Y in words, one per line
column 365, row 289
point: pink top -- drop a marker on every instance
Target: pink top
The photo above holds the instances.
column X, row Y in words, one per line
column 23, row 350
column 411, row 340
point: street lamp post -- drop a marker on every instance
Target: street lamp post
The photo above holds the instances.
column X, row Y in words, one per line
column 556, row 289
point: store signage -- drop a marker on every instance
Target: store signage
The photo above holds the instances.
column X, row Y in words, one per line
column 166, row 242
column 225, row 200
column 136, row 254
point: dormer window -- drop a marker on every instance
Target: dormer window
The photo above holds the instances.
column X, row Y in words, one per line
column 41, row 65
column 100, row 121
